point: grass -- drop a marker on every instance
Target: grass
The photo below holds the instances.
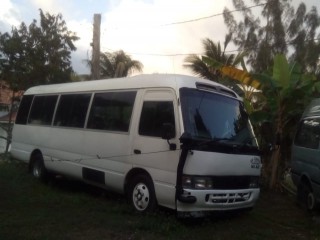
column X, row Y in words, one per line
column 64, row 209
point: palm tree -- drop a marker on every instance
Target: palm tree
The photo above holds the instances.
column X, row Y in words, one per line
column 212, row 51
column 118, row 64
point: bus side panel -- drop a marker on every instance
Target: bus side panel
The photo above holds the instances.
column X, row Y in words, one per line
column 64, row 152
column 27, row 138
column 154, row 154
column 108, row 152
column 60, row 148
column 162, row 167
column 21, row 147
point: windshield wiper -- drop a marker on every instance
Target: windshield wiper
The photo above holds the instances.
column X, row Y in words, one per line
column 246, row 142
column 215, row 139
column 223, row 141
column 187, row 138
column 226, row 145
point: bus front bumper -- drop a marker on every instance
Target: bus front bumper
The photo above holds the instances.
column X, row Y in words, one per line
column 218, row 200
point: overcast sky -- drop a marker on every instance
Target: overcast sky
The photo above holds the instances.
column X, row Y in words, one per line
column 142, row 28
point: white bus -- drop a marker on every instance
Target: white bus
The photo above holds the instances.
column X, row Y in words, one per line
column 161, row 139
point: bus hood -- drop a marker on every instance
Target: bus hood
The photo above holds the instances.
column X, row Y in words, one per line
column 221, row 164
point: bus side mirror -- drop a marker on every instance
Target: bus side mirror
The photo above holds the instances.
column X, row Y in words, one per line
column 167, row 131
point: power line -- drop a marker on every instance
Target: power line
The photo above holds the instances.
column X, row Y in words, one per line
column 186, row 54
column 199, row 19
column 211, row 16
column 188, row 21
column 156, row 54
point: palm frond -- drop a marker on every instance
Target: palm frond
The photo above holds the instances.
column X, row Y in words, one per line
column 118, row 64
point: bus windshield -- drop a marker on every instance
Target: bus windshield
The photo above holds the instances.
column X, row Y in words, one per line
column 216, row 118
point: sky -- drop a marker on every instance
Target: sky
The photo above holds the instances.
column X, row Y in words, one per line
column 144, row 29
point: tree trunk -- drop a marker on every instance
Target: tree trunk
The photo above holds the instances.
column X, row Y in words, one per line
column 276, row 154
column 274, row 164
column 9, row 132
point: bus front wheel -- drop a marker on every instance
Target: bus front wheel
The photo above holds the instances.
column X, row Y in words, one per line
column 142, row 194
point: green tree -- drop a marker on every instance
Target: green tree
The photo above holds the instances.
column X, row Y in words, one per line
column 117, row 64
column 13, row 53
column 50, row 46
column 36, row 55
column 211, row 51
column 277, row 29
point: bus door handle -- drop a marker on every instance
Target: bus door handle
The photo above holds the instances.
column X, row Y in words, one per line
column 137, row 151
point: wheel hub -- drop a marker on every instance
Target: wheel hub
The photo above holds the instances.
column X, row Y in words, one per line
column 141, row 196
column 310, row 201
column 37, row 170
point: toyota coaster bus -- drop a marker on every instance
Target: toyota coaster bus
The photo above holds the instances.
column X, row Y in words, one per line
column 162, row 139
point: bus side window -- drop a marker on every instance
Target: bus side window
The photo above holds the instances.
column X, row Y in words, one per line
column 72, row 110
column 153, row 115
column 111, row 111
column 24, row 109
column 42, row 110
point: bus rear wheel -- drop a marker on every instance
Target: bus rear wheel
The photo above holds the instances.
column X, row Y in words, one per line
column 142, row 194
column 38, row 169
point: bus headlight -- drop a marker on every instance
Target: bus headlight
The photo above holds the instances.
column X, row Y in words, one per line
column 187, row 181
column 202, row 182
column 197, row 182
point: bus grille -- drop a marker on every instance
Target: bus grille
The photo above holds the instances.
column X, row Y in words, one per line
column 228, row 198
column 231, row 182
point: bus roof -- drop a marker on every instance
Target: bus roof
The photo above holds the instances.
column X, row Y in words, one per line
column 174, row 81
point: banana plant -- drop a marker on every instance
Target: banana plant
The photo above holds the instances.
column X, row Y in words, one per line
column 247, row 83
column 285, row 92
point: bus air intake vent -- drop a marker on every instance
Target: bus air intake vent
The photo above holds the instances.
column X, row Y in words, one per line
column 211, row 88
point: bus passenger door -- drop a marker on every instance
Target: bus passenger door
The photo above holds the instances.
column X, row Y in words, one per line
column 158, row 109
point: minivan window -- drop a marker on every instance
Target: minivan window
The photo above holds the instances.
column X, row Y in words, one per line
column 72, row 110
column 111, row 111
column 308, row 133
column 154, row 114
column 42, row 110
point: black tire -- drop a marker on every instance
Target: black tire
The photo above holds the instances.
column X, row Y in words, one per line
column 306, row 197
column 37, row 168
column 141, row 194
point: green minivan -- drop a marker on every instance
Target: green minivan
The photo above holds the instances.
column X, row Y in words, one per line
column 305, row 164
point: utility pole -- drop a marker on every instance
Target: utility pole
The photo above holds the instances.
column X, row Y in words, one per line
column 95, row 67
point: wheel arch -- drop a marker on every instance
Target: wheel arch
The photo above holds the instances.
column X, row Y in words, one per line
column 305, row 179
column 306, row 194
column 133, row 173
